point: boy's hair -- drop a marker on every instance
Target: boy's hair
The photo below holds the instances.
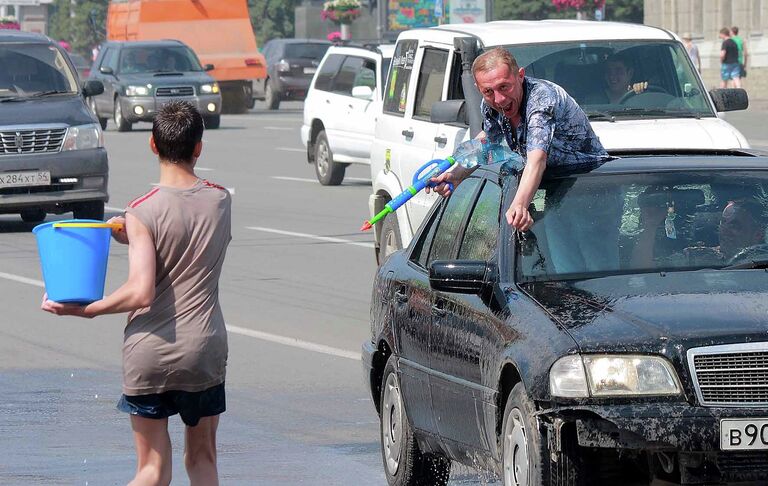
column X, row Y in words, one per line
column 177, row 128
column 725, row 31
column 735, row 30
column 493, row 58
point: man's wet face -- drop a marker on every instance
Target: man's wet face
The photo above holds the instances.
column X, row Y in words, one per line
column 502, row 89
column 738, row 230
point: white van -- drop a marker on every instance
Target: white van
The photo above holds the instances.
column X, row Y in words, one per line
column 428, row 108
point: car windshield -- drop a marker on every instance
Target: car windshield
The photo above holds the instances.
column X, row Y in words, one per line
column 598, row 74
column 156, row 59
column 29, row 69
column 601, row 224
column 309, row 51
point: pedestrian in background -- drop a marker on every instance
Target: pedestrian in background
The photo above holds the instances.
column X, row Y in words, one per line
column 175, row 342
column 730, row 72
column 742, row 50
column 693, row 51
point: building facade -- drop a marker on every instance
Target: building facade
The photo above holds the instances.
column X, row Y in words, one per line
column 32, row 15
column 704, row 19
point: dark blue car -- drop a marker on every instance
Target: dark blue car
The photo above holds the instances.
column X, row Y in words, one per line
column 622, row 340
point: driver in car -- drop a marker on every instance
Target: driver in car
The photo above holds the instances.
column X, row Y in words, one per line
column 617, row 77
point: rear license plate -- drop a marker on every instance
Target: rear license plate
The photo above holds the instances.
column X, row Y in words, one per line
column 20, row 179
column 309, row 70
column 750, row 434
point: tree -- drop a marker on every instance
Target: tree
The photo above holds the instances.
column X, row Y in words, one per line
column 273, row 19
column 615, row 10
column 83, row 24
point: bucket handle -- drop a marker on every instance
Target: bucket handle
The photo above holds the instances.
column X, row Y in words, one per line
column 88, row 225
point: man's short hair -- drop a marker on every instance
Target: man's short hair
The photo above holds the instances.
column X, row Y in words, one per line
column 753, row 207
column 725, row 31
column 494, row 58
column 176, row 129
column 735, row 30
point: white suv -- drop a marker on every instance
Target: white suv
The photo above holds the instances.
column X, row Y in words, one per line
column 431, row 103
column 341, row 107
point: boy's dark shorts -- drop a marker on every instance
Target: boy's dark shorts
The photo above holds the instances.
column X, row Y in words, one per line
column 192, row 406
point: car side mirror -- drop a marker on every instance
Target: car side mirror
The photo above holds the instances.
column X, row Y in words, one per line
column 92, row 88
column 450, row 111
column 729, row 99
column 362, row 92
column 106, row 70
column 208, row 67
column 461, row 276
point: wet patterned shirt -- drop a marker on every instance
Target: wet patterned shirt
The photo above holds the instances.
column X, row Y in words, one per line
column 551, row 121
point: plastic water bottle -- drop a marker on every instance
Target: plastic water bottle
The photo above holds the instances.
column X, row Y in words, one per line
column 475, row 152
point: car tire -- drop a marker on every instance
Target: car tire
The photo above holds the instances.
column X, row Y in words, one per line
column 89, row 210
column 92, row 106
column 525, row 456
column 121, row 123
column 33, row 215
column 329, row 173
column 212, row 122
column 404, row 463
column 271, row 96
column 389, row 239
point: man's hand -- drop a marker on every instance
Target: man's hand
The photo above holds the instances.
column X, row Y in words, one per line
column 119, row 234
column 638, row 87
column 519, row 217
column 63, row 309
column 443, row 180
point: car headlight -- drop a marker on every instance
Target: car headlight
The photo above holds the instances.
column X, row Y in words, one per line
column 604, row 375
column 136, row 91
column 83, row 137
column 209, row 88
column 283, row 66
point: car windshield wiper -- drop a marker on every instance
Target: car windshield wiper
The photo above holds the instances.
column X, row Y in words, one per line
column 656, row 112
column 750, row 264
column 40, row 94
column 168, row 73
column 601, row 115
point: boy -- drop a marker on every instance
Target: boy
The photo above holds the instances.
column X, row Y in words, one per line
column 175, row 342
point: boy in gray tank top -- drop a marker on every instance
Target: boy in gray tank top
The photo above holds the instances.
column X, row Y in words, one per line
column 175, row 342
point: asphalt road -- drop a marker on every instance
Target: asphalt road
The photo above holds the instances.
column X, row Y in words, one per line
column 295, row 292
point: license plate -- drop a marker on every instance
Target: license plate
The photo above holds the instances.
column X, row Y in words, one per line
column 18, row 179
column 750, row 434
column 309, row 70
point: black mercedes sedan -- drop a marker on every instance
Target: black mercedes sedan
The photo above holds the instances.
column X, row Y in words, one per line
column 623, row 339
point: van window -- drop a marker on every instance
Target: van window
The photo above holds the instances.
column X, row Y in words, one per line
column 396, row 92
column 429, row 87
column 328, row 71
column 355, row 71
column 33, row 68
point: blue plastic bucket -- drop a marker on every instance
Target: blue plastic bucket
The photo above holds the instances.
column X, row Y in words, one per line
column 74, row 260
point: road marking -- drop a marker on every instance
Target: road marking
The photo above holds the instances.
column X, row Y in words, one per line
column 329, row 239
column 204, row 169
column 315, row 181
column 264, row 336
column 117, row 210
column 291, row 149
column 279, row 128
column 294, row 343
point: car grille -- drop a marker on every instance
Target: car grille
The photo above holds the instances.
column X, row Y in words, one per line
column 54, row 187
column 31, row 140
column 175, row 91
column 731, row 375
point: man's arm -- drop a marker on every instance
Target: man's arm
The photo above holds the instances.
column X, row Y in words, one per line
column 137, row 292
column 517, row 214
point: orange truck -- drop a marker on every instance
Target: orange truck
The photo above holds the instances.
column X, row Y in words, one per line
column 219, row 31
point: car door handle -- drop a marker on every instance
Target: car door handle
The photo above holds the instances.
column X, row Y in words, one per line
column 407, row 133
column 438, row 309
column 327, row 101
column 400, row 295
column 350, row 107
column 441, row 140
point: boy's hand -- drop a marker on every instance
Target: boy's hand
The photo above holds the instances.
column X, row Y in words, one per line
column 519, row 217
column 63, row 309
column 120, row 235
column 443, row 180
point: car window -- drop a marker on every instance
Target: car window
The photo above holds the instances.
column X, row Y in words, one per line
column 429, row 87
column 451, row 220
column 308, row 51
column 328, row 71
column 396, row 92
column 367, row 75
column 345, row 79
column 109, row 59
column 423, row 243
column 33, row 68
column 385, row 62
column 479, row 241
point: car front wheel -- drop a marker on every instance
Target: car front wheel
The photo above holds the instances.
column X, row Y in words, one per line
column 389, row 241
column 404, row 463
column 89, row 210
column 271, row 96
column 92, row 106
column 212, row 121
column 122, row 124
column 329, row 173
column 525, row 455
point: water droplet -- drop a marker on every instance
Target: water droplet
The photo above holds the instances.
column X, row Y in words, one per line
column 96, row 396
column 71, row 375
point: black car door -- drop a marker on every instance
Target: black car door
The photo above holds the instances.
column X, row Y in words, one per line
column 412, row 303
column 465, row 338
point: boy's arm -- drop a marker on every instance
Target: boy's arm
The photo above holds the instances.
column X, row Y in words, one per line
column 137, row 292
column 517, row 214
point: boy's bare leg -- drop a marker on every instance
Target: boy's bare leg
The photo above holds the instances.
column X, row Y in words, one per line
column 153, row 452
column 200, row 452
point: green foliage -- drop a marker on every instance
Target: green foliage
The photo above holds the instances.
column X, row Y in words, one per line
column 273, row 19
column 71, row 23
column 615, row 10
